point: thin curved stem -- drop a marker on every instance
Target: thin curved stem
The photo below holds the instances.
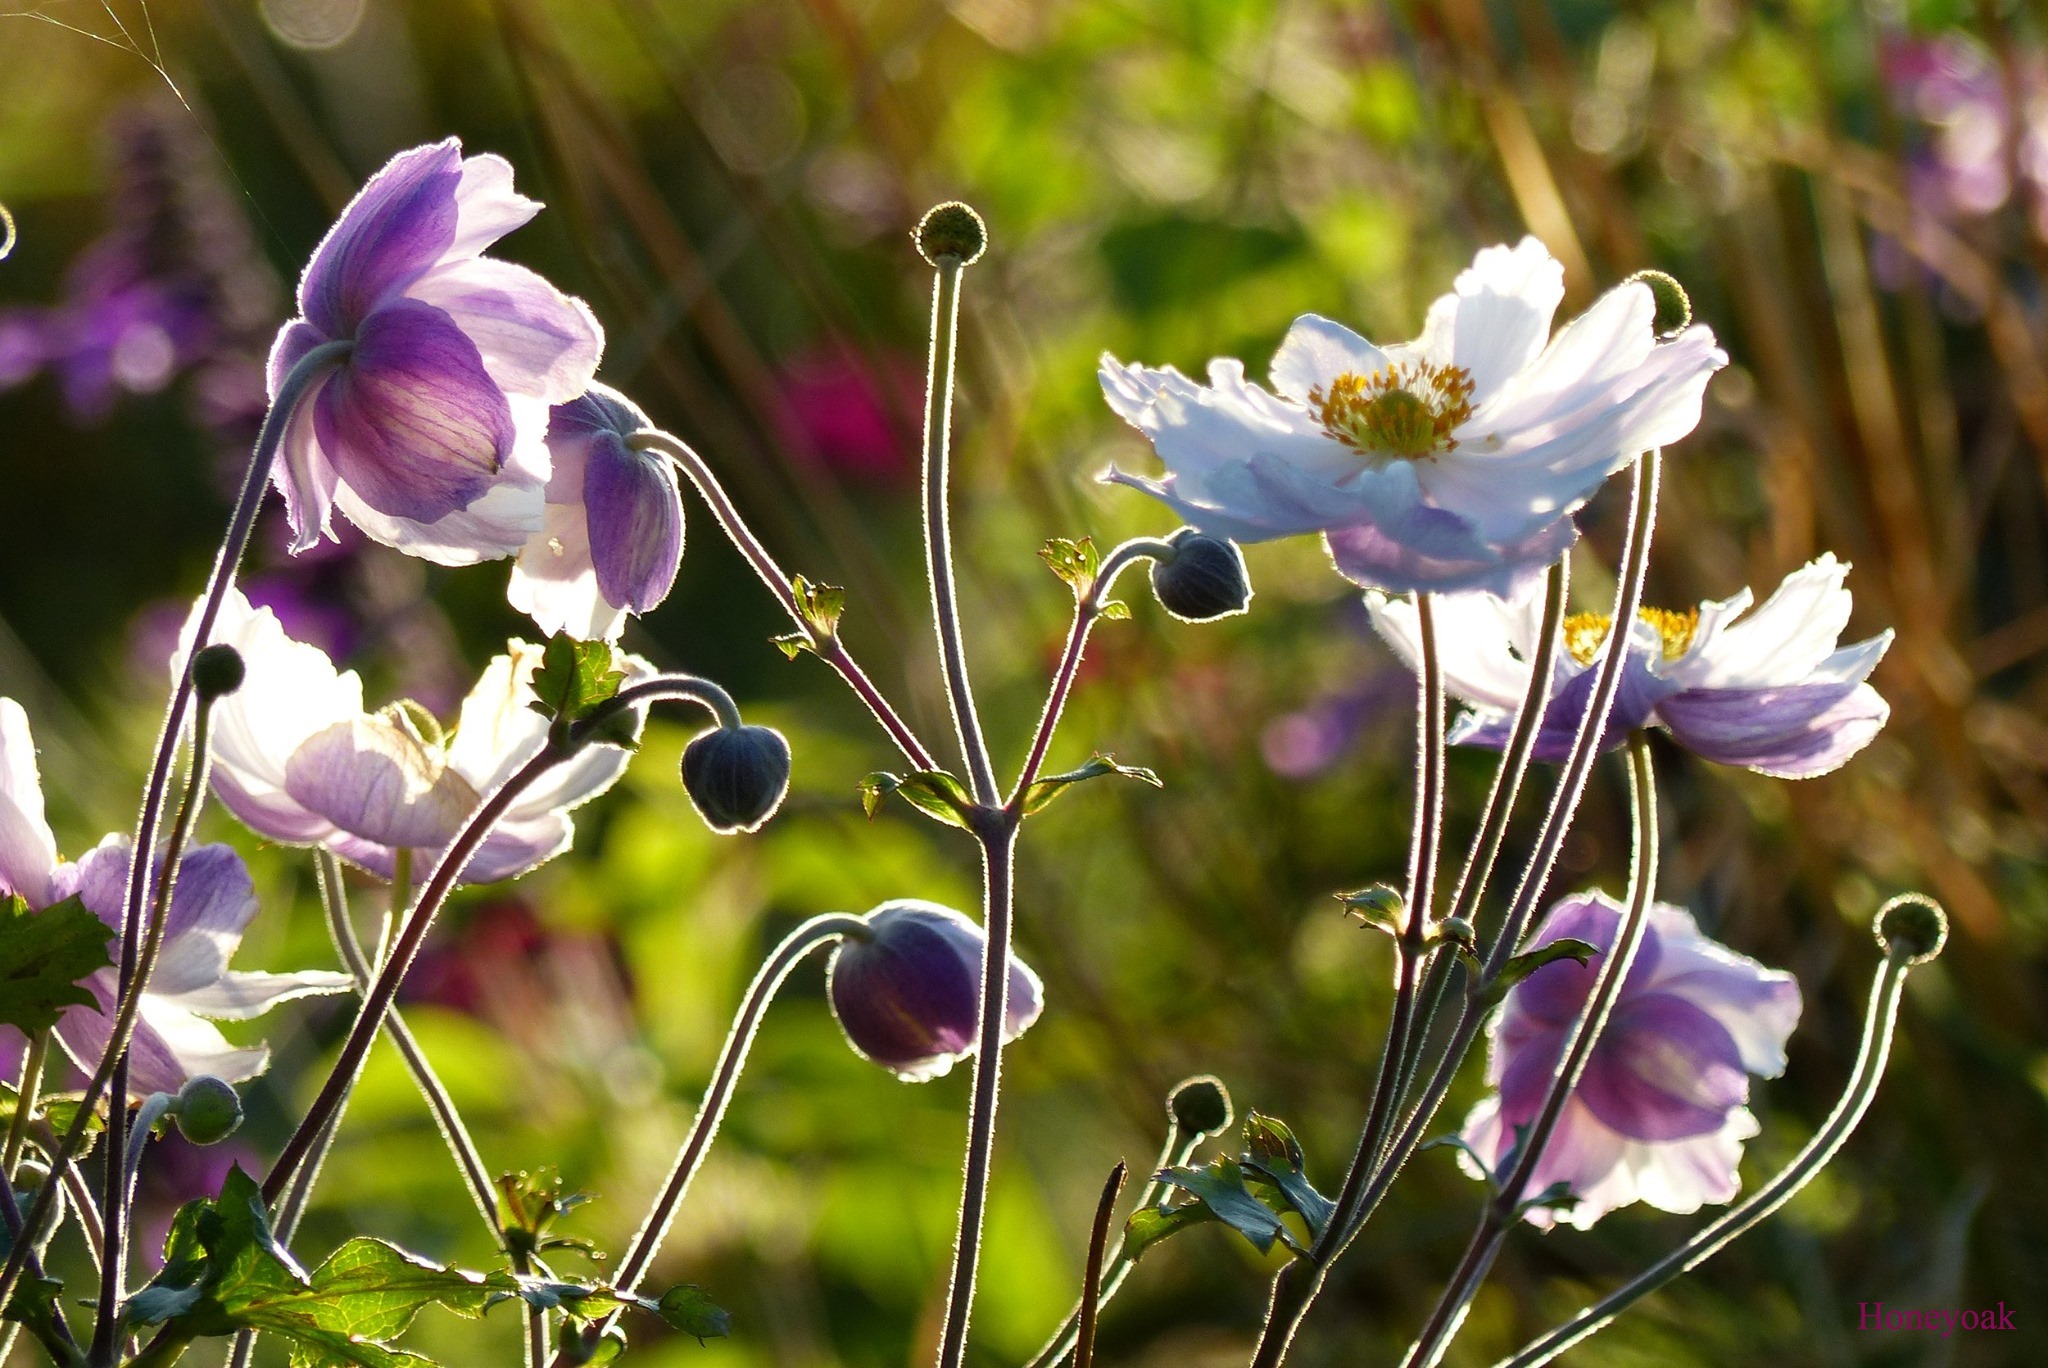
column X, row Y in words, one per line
column 1091, row 1277
column 999, row 850
column 938, row 530
column 833, row 652
column 292, row 389
column 1177, row 1151
column 1879, row 1021
column 1505, row 1209
column 822, row 930
column 26, row 1096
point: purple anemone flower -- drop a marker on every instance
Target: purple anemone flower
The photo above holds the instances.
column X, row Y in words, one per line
column 1450, row 462
column 1767, row 690
column 908, row 993
column 298, row 760
column 192, row 986
column 613, row 533
column 1659, row 1114
column 429, row 436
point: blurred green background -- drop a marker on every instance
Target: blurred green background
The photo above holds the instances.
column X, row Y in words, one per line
column 1857, row 197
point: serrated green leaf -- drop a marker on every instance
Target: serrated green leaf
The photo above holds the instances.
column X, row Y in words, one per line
column 1382, row 907
column 1113, row 610
column 529, row 1203
column 1221, row 1187
column 56, row 1110
column 1075, row 562
column 573, row 677
column 819, row 607
column 1050, row 787
column 43, row 956
column 34, row 1305
column 690, row 1309
column 792, row 645
column 1277, row 1154
column 1149, row 1225
column 935, row 793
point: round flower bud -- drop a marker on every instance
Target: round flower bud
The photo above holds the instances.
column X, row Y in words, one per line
column 1200, row 1104
column 736, row 776
column 1204, row 579
column 1674, row 306
column 207, row 1110
column 217, row 671
column 1914, row 924
column 952, row 230
column 907, row 993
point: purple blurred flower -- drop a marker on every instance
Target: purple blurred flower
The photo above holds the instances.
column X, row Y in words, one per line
column 1658, row 1116
column 1955, row 85
column 1451, row 462
column 430, row 436
column 908, row 994
column 1770, row 692
column 297, row 759
column 192, row 986
column 613, row 534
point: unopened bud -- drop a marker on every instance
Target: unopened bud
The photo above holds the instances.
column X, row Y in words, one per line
column 1204, row 579
column 207, row 1110
column 1674, row 306
column 951, row 230
column 736, row 776
column 217, row 671
column 1200, row 1104
column 1914, row 924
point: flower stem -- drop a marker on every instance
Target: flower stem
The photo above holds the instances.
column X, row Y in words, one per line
column 1504, row 1209
column 938, row 529
column 25, row 1099
column 998, row 858
column 1091, row 1278
column 832, row 651
column 1087, row 610
column 725, row 1076
column 1879, row 1021
column 297, row 383
column 1178, row 1149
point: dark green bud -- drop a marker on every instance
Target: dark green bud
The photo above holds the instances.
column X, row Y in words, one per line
column 1200, row 1104
column 1912, row 924
column 1457, row 931
column 207, row 1110
column 951, row 230
column 1204, row 579
column 1674, row 306
column 217, row 671
column 736, row 776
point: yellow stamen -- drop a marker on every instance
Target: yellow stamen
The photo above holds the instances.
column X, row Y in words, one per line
column 1408, row 410
column 1584, row 633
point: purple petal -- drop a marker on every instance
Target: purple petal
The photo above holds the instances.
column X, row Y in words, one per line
column 214, row 896
column 99, row 880
column 170, row 1046
column 1556, row 993
column 909, row 996
column 1435, row 550
column 393, row 232
column 413, row 423
column 1635, row 700
column 302, row 473
column 1759, row 1007
column 377, row 782
column 534, row 339
column 1663, row 1070
column 1795, row 732
column 636, row 523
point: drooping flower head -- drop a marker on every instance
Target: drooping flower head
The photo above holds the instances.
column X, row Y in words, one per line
column 908, row 993
column 192, row 986
column 613, row 532
column 297, row 759
column 429, row 436
column 1454, row 461
column 1770, row 690
column 1659, row 1114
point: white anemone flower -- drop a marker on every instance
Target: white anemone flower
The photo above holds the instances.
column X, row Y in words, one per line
column 297, row 759
column 1451, row 462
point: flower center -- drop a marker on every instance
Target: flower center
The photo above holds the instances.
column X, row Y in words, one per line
column 1585, row 632
column 1407, row 410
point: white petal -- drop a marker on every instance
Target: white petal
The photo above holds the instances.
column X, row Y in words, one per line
column 534, row 339
column 1505, row 301
column 1477, row 637
column 486, row 208
column 237, row 996
column 1784, row 641
column 497, row 732
column 1317, row 351
column 495, row 526
column 554, row 581
column 28, row 850
column 197, row 1045
column 1681, row 1176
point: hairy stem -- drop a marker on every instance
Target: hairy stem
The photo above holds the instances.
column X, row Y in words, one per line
column 25, row 1099
column 1091, row 1277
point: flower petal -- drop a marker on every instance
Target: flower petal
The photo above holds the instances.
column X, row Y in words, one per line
column 534, row 339
column 496, row 525
column 211, row 904
column 1484, row 642
column 238, row 996
column 555, row 583
column 1663, row 1070
column 302, row 472
column 1795, row 732
column 396, row 228
column 635, row 512
column 1435, row 550
column 373, row 778
column 1782, row 642
column 28, row 850
column 1757, row 1006
column 413, row 423
column 1504, row 303
column 1684, row 1175
column 1317, row 351
column 486, row 207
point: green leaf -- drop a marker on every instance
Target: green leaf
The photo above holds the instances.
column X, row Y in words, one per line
column 530, row 1203
column 935, row 793
column 792, row 645
column 685, row 1307
column 1114, row 610
column 1221, row 1187
column 1277, row 1154
column 1149, row 1225
column 690, row 1309
column 34, row 1305
column 1075, row 562
column 1457, row 1142
column 1528, row 962
column 1381, row 906
column 57, row 1110
column 1050, row 787
column 43, row 955
column 574, row 677
column 1557, row 1197
column 820, row 607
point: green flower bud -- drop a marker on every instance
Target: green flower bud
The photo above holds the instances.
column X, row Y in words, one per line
column 1204, row 579
column 952, row 230
column 207, row 1110
column 1674, row 306
column 217, row 671
column 736, row 776
column 1913, row 923
column 1200, row 1104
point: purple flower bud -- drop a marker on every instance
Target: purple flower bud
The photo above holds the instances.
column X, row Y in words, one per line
column 736, row 776
column 908, row 994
